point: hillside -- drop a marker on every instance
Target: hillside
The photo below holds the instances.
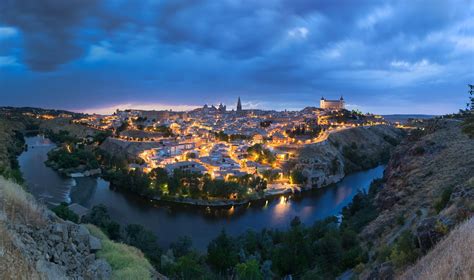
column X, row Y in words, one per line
column 428, row 189
column 36, row 244
column 452, row 258
column 12, row 143
column 345, row 152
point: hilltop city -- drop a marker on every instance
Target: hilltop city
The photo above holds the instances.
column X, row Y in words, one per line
column 226, row 143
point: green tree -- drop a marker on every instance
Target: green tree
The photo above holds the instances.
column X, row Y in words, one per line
column 182, row 246
column 222, row 253
column 249, row 270
column 99, row 216
column 137, row 236
column 297, row 177
column 189, row 267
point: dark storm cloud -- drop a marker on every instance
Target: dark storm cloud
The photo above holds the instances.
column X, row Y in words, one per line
column 244, row 29
column 48, row 28
column 157, row 50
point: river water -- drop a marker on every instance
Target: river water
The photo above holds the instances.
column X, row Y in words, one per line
column 169, row 221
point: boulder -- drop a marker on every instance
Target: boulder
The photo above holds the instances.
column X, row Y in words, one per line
column 100, row 270
column 50, row 270
column 427, row 234
column 94, row 244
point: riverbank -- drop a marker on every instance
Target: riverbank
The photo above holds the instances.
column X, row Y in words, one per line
column 221, row 203
column 321, row 164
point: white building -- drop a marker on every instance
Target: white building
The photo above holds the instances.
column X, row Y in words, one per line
column 332, row 105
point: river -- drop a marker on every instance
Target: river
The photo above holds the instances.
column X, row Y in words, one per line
column 169, row 221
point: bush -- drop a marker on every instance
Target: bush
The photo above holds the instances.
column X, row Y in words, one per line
column 404, row 251
column 65, row 213
column 127, row 262
column 189, row 266
column 249, row 270
column 383, row 253
column 441, row 203
column 145, row 240
column 100, row 217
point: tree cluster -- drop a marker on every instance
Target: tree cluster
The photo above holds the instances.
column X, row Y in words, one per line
column 260, row 154
column 183, row 184
column 304, row 130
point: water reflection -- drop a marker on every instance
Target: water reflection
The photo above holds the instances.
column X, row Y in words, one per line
column 280, row 210
column 342, row 193
column 169, row 221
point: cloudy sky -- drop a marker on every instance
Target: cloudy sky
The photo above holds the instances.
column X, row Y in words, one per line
column 409, row 56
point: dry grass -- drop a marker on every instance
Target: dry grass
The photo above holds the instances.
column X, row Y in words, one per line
column 452, row 258
column 13, row 264
column 18, row 205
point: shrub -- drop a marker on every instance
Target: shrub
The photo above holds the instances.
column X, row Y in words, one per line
column 441, row 203
column 189, row 266
column 65, row 213
column 100, row 217
column 383, row 253
column 404, row 251
column 249, row 270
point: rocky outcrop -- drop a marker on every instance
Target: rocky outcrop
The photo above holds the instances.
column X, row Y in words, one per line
column 126, row 149
column 345, row 152
column 61, row 250
column 41, row 245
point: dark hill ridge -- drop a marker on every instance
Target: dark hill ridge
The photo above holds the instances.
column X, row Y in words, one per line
column 403, row 118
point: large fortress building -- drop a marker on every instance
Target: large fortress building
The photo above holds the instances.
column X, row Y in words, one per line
column 332, row 105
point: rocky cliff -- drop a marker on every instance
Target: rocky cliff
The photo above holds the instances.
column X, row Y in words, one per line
column 428, row 189
column 129, row 150
column 345, row 152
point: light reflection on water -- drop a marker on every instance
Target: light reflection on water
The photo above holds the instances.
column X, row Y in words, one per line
column 280, row 210
column 169, row 221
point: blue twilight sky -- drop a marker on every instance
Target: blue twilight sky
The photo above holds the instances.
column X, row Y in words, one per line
column 409, row 56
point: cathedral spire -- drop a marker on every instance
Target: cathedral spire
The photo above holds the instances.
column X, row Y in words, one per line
column 239, row 105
